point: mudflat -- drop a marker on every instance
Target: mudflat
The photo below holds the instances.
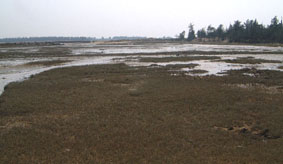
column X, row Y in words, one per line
column 114, row 113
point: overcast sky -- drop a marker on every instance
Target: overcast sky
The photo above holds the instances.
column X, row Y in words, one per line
column 151, row 18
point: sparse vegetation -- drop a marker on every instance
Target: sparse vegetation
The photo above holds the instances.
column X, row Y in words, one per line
column 43, row 51
column 249, row 60
column 47, row 63
column 197, row 71
column 179, row 66
column 179, row 58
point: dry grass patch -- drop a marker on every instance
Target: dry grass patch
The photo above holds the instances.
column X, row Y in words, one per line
column 140, row 115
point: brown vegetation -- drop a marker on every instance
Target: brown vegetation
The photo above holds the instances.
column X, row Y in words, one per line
column 250, row 60
column 47, row 62
column 178, row 58
column 121, row 114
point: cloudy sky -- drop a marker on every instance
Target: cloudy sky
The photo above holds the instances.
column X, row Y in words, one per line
column 152, row 18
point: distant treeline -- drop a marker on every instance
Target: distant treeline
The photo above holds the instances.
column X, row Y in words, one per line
column 47, row 39
column 127, row 38
column 248, row 32
column 65, row 39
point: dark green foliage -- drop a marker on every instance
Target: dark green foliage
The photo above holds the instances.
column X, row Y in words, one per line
column 220, row 33
column 191, row 35
column 201, row 33
column 211, row 32
column 182, row 35
column 253, row 31
column 236, row 32
column 249, row 32
column 275, row 31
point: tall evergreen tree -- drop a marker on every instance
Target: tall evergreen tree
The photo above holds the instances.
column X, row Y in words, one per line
column 182, row 35
column 191, row 35
column 220, row 33
column 211, row 32
column 274, row 30
column 236, row 31
column 250, row 31
column 201, row 33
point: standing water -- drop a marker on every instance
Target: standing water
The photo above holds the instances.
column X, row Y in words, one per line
column 15, row 61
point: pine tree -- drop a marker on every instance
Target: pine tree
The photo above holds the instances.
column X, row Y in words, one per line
column 191, row 35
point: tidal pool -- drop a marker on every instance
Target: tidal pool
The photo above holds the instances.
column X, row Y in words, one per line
column 15, row 69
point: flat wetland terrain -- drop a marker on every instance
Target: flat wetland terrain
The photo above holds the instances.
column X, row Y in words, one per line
column 116, row 113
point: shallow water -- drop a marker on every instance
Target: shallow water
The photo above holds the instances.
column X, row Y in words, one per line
column 214, row 67
column 14, row 69
column 94, row 48
column 17, row 71
column 157, row 48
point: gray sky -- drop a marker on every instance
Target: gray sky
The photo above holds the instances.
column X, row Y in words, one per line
column 152, row 18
